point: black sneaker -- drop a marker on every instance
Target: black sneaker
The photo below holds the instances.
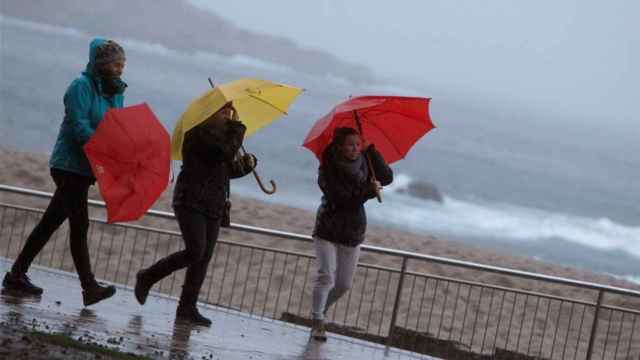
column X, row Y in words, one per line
column 142, row 287
column 20, row 283
column 191, row 314
column 97, row 293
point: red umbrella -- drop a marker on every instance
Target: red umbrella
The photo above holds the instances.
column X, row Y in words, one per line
column 130, row 157
column 392, row 123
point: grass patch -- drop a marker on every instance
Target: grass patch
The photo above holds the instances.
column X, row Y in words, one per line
column 68, row 342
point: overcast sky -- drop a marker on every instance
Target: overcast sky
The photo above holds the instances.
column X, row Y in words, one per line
column 574, row 56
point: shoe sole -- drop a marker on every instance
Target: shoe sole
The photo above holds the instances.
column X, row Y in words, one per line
column 9, row 287
column 108, row 295
column 320, row 338
column 191, row 322
column 140, row 294
column 19, row 292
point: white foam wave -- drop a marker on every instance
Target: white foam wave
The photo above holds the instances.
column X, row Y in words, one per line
column 400, row 183
column 338, row 80
column 150, row 48
column 630, row 278
column 394, row 89
column 35, row 26
column 256, row 63
column 463, row 218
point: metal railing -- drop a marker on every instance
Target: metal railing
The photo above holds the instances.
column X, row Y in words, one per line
column 399, row 302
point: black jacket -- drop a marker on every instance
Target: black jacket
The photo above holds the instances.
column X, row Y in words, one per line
column 208, row 162
column 341, row 217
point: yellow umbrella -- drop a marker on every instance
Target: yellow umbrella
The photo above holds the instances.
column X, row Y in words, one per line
column 258, row 103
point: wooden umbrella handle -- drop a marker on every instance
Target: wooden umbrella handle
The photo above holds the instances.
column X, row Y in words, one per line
column 259, row 181
column 373, row 179
column 369, row 162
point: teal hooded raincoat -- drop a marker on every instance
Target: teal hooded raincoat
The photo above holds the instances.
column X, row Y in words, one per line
column 85, row 105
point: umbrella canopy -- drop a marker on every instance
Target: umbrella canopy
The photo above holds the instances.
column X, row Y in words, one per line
column 393, row 123
column 258, row 103
column 130, row 157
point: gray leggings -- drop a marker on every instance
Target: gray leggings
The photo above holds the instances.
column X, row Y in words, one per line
column 336, row 267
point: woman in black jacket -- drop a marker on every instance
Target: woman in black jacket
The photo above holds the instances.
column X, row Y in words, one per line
column 210, row 159
column 346, row 184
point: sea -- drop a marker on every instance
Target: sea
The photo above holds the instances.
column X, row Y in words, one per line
column 516, row 181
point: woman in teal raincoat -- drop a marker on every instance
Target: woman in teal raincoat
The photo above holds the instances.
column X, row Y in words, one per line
column 87, row 98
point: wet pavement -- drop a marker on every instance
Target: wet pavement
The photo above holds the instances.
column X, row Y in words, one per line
column 151, row 330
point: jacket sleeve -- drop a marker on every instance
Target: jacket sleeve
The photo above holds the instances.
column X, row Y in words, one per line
column 340, row 195
column 233, row 134
column 198, row 142
column 238, row 168
column 384, row 174
column 77, row 103
column 217, row 144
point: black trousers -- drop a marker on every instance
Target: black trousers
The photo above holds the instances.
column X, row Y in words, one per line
column 69, row 202
column 200, row 234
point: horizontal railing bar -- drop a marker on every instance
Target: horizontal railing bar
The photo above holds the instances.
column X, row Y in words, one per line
column 498, row 287
column 377, row 249
column 169, row 232
column 621, row 309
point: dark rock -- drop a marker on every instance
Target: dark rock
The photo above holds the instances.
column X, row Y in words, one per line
column 423, row 190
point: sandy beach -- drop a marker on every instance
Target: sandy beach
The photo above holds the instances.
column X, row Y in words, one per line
column 31, row 171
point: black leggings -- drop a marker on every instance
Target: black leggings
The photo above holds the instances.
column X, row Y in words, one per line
column 200, row 234
column 69, row 202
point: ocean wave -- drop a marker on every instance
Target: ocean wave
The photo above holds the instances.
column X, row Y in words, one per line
column 629, row 278
column 394, row 89
column 248, row 61
column 150, row 48
column 498, row 220
column 35, row 26
column 400, row 182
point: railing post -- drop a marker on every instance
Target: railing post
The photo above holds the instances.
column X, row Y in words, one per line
column 396, row 303
column 594, row 326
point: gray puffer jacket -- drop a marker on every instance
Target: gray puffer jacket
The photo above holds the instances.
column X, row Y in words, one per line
column 341, row 217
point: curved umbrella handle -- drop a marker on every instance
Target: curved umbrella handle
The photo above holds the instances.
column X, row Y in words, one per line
column 265, row 190
column 259, row 181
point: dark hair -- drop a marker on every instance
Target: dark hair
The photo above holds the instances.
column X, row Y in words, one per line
column 339, row 137
column 107, row 52
column 211, row 120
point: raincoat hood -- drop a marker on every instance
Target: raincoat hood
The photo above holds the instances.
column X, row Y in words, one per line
column 85, row 104
column 92, row 72
column 95, row 43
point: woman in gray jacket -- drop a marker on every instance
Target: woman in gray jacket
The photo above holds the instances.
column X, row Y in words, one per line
column 346, row 184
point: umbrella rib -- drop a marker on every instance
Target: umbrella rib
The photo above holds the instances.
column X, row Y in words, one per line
column 372, row 124
column 392, row 112
column 268, row 103
column 116, row 160
column 124, row 130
